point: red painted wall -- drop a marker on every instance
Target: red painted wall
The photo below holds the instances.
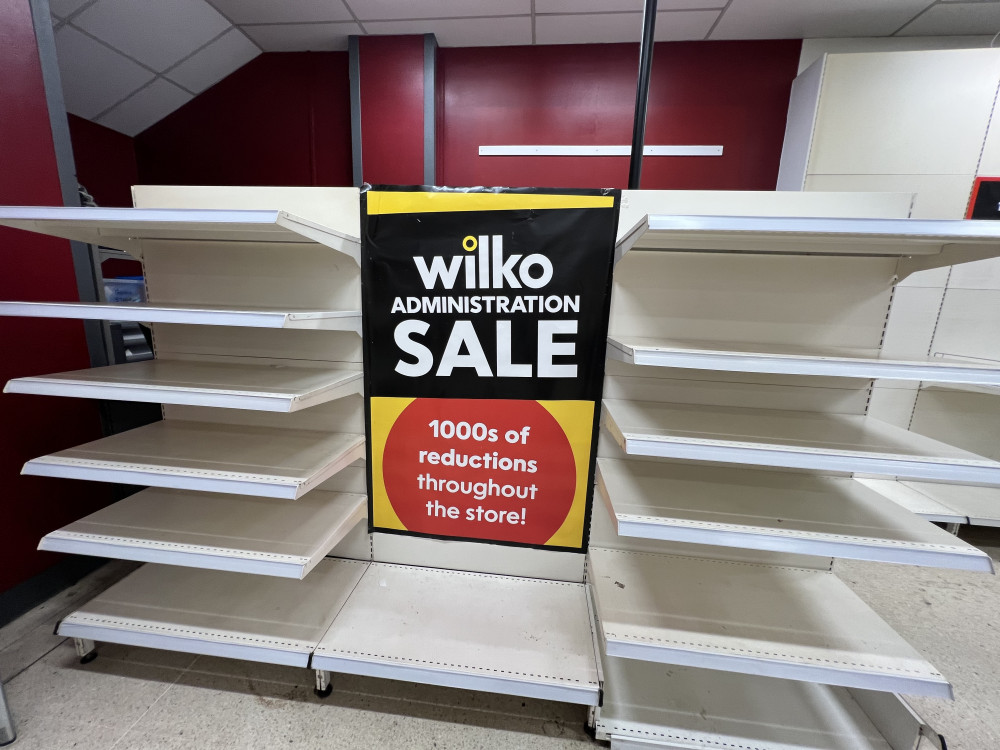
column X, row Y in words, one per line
column 284, row 118
column 392, row 109
column 733, row 94
column 34, row 268
column 105, row 162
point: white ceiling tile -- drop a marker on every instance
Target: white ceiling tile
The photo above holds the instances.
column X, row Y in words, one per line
column 282, row 11
column 301, row 37
column 606, row 6
column 145, row 108
column 211, row 64
column 384, row 10
column 158, row 33
column 803, row 19
column 586, row 6
column 63, row 8
column 466, row 32
column 93, row 76
column 683, row 25
column 607, row 28
column 956, row 19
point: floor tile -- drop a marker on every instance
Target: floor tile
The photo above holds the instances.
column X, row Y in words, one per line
column 262, row 714
column 953, row 619
column 108, row 691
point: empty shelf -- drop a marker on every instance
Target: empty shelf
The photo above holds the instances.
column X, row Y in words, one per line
column 519, row 636
column 205, row 315
column 981, row 505
column 752, row 618
column 812, row 236
column 729, row 357
column 195, row 383
column 235, row 459
column 778, row 511
column 792, row 439
column 701, row 708
column 915, row 502
column 989, row 390
column 255, row 618
column 124, row 228
column 216, row 532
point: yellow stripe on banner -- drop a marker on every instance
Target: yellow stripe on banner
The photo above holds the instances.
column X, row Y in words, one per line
column 386, row 202
column 576, row 418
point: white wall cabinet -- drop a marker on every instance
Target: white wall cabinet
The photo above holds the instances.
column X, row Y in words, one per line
column 926, row 123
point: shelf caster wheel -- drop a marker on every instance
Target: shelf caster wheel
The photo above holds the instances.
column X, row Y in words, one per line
column 323, row 684
column 590, row 726
column 86, row 649
column 8, row 733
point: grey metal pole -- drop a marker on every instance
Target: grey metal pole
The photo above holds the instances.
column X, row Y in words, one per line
column 87, row 271
column 354, row 69
column 430, row 102
column 7, row 732
column 642, row 94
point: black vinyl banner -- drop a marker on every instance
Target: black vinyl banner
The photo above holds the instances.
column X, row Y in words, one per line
column 485, row 327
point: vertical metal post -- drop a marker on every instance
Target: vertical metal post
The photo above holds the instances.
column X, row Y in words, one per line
column 430, row 114
column 642, row 94
column 354, row 70
column 86, row 268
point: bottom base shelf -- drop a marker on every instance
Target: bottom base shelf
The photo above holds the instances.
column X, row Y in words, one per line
column 650, row 706
column 218, row 613
column 502, row 634
column 517, row 636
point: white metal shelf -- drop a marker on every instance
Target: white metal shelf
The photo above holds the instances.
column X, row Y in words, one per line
column 980, row 505
column 777, row 511
column 125, row 228
column 913, row 501
column 519, row 636
column 988, row 390
column 791, row 439
column 235, row 459
column 197, row 383
column 194, row 314
column 216, row 532
column 681, row 707
column 257, row 618
column 751, row 618
column 768, row 358
column 813, row 236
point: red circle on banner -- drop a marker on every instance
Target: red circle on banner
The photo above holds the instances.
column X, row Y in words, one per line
column 512, row 478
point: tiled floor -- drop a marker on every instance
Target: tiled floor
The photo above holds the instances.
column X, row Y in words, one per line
column 140, row 698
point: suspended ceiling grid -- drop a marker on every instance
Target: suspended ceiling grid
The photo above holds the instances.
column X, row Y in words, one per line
column 128, row 64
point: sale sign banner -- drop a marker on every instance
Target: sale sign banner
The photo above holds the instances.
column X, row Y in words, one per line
column 485, row 327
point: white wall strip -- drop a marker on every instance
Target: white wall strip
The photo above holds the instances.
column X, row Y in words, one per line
column 598, row 151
